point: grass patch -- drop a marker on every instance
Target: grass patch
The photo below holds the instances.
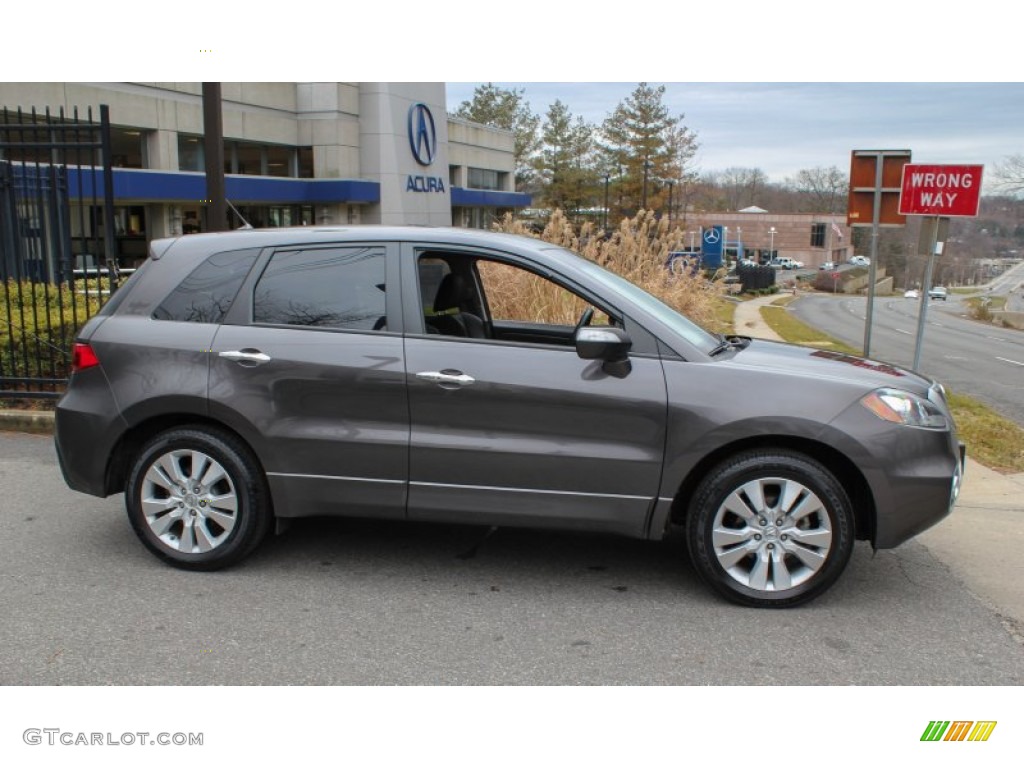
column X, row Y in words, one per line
column 994, row 441
column 798, row 332
column 991, row 439
column 725, row 316
column 994, row 303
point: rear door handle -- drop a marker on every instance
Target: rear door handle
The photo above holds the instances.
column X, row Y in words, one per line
column 446, row 377
column 245, row 355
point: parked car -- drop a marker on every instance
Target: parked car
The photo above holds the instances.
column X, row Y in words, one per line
column 913, row 293
column 828, row 265
column 860, row 261
column 238, row 380
column 784, row 262
column 937, row 292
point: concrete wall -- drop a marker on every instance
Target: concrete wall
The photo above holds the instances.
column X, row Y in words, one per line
column 480, row 146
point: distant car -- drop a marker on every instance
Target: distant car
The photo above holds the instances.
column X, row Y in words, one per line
column 937, row 292
column 913, row 293
column 828, row 265
column 860, row 261
column 784, row 262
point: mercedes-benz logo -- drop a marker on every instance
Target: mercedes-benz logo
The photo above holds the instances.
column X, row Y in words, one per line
column 711, row 236
column 422, row 134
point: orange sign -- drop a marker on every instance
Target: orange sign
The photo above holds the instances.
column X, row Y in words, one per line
column 864, row 185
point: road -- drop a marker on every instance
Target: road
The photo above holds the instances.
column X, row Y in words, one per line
column 372, row 603
column 980, row 360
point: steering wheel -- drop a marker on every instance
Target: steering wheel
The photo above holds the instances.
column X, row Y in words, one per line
column 585, row 318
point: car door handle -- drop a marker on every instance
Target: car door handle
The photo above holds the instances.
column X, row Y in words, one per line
column 245, row 355
column 446, row 377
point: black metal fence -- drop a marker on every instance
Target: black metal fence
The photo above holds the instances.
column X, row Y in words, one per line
column 56, row 242
column 756, row 278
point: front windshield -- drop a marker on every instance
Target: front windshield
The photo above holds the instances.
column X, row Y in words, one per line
column 658, row 309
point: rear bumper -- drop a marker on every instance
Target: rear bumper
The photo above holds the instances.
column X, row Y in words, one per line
column 86, row 428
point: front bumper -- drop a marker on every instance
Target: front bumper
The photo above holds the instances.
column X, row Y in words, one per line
column 914, row 475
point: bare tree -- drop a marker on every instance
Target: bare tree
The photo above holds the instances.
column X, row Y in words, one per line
column 825, row 189
column 1009, row 174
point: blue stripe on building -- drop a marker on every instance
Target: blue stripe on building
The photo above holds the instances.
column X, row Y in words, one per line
column 182, row 186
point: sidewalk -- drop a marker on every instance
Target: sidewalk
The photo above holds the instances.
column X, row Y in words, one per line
column 749, row 322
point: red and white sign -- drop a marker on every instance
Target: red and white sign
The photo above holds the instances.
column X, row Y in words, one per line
column 940, row 190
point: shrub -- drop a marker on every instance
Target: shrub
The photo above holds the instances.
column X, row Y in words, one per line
column 38, row 325
column 637, row 250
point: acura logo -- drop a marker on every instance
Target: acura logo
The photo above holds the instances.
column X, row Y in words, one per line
column 422, row 134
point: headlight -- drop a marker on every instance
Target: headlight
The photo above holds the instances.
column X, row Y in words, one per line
column 905, row 408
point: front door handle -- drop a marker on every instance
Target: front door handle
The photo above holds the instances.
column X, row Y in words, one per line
column 446, row 376
column 245, row 355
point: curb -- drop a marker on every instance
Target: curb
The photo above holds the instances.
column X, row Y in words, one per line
column 39, row 422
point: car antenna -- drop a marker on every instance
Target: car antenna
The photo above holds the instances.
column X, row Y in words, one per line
column 245, row 224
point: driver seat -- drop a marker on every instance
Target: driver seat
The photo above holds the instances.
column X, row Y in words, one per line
column 455, row 293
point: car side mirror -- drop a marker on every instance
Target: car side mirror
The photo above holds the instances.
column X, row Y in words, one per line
column 611, row 345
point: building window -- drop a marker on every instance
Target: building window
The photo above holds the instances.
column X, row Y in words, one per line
column 127, row 148
column 481, row 178
column 248, row 158
column 280, row 160
column 305, row 161
column 190, row 153
column 817, row 235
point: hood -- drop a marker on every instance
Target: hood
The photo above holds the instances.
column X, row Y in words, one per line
column 806, row 362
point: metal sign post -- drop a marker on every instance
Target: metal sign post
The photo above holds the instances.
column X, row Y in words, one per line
column 933, row 247
column 875, row 176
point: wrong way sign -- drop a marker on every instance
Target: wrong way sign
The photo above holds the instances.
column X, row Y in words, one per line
column 940, row 190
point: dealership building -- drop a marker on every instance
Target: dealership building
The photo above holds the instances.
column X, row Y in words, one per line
column 294, row 154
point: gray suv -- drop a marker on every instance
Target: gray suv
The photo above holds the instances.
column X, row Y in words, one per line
column 240, row 379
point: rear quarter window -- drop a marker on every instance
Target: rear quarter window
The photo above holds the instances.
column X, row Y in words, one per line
column 205, row 296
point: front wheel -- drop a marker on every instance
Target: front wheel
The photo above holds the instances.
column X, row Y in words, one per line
column 197, row 498
column 770, row 529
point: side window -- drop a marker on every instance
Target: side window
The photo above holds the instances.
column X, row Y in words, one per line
column 206, row 294
column 520, row 296
column 324, row 288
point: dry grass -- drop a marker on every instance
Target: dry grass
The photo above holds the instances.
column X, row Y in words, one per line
column 637, row 251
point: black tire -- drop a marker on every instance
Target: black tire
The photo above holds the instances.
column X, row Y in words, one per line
column 798, row 559
column 206, row 529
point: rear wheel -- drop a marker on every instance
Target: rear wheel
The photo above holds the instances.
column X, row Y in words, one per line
column 197, row 498
column 770, row 529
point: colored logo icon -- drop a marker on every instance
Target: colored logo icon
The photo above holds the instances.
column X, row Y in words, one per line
column 959, row 730
column 422, row 134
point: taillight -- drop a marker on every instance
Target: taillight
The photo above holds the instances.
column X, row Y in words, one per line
column 83, row 357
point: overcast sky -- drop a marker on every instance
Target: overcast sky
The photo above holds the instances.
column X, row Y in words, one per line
column 783, row 127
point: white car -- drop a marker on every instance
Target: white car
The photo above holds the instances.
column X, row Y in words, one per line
column 860, row 261
column 937, row 292
column 913, row 293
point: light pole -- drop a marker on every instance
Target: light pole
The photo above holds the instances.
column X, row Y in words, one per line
column 691, row 233
column 671, row 184
column 739, row 244
column 771, row 243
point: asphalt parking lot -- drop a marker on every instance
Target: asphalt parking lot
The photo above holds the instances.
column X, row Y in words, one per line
column 336, row 602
